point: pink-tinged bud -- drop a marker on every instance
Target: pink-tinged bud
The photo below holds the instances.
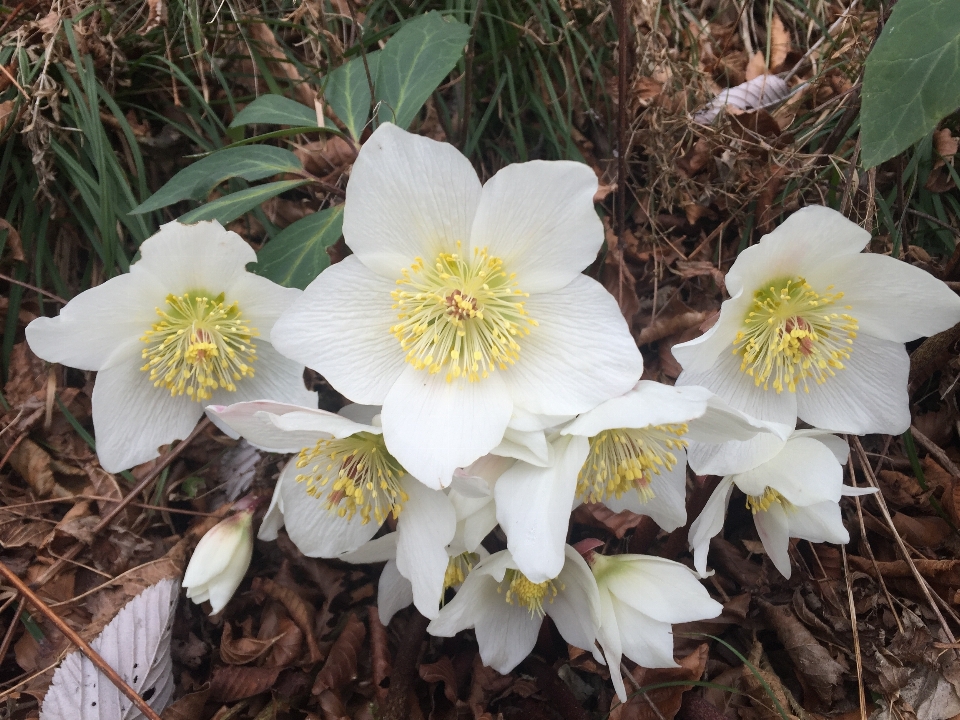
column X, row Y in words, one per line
column 586, row 548
column 220, row 561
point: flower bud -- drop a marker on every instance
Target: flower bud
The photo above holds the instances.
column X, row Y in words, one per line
column 220, row 561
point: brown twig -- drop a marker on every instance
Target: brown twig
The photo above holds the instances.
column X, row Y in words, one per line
column 8, row 453
column 931, row 447
column 620, row 12
column 405, row 668
column 21, row 283
column 73, row 551
column 8, row 636
column 856, row 635
column 71, row 635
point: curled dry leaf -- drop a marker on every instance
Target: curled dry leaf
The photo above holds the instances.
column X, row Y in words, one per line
column 379, row 653
column 599, row 515
column 300, row 611
column 442, row 672
column 189, row 707
column 32, row 463
column 341, row 664
column 14, row 243
column 236, row 682
column 287, row 645
column 760, row 92
column 242, row 650
column 661, row 703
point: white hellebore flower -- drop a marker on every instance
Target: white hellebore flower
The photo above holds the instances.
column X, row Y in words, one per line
column 186, row 327
column 220, row 561
column 641, row 597
column 794, row 494
column 341, row 486
column 506, row 608
column 815, row 329
column 461, row 302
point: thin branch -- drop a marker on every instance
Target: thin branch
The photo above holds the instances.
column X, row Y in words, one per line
column 21, row 283
column 468, row 77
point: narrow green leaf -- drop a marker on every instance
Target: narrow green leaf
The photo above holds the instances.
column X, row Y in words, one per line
column 253, row 162
column 276, row 110
column 298, row 253
column 232, row 206
column 348, row 92
column 912, row 77
column 414, row 62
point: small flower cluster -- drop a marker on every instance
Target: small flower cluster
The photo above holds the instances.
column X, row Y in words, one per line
column 495, row 384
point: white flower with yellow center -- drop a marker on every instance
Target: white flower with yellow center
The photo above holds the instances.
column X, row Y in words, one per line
column 815, row 329
column 220, row 561
column 641, row 598
column 462, row 302
column 796, row 493
column 342, row 485
column 506, row 608
column 186, row 327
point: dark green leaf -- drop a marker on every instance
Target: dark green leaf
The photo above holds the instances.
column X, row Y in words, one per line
column 298, row 253
column 348, row 92
column 276, row 110
column 414, row 62
column 253, row 162
column 232, row 206
column 912, row 77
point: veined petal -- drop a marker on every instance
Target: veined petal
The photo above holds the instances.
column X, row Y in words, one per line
column 608, row 635
column 408, row 197
column 394, row 592
column 701, row 353
column 576, row 608
column 381, row 549
column 273, row 519
column 580, row 354
column 506, row 633
column 774, row 530
column 648, row 403
column 132, row 418
column 424, row 529
column 275, row 377
column 804, row 472
column 667, row 507
column 818, row 523
column 321, row 421
column 709, row 523
column 101, row 326
column 733, row 456
column 340, row 327
column 533, row 508
column 722, row 423
column 659, row 588
column 529, row 446
column 433, row 426
column 527, row 207
column 869, row 395
column 221, row 592
column 262, row 301
column 253, row 421
column 646, row 641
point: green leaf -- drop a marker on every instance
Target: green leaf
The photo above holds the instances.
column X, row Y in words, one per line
column 414, row 62
column 276, row 110
column 912, row 77
column 232, row 206
column 298, row 253
column 194, row 182
column 348, row 92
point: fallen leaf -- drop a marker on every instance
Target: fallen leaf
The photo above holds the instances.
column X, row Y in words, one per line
column 379, row 653
column 442, row 672
column 341, row 664
column 32, row 463
column 242, row 650
column 188, row 707
column 756, row 67
column 236, row 682
column 287, row 646
column 300, row 611
column 759, row 92
column 665, row 699
column 780, row 43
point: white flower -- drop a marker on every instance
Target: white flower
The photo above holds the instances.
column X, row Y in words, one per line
column 187, row 326
column 220, row 561
column 794, row 494
column 815, row 329
column 461, row 302
column 341, row 486
column 641, row 597
column 637, row 458
column 506, row 608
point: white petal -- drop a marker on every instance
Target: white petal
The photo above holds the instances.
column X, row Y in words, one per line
column 101, row 326
column 659, row 588
column 774, row 530
column 340, row 327
column 580, row 354
column 321, row 422
column 273, row 519
column 608, row 635
column 132, row 418
column 462, row 612
column 224, row 586
column 381, row 549
column 261, row 301
column 203, row 256
column 838, row 446
column 424, row 529
column 667, row 507
column 804, row 472
column 529, row 446
column 408, row 197
column 648, row 403
column 533, row 508
column 394, row 592
column 212, row 555
column 275, row 377
column 315, row 530
column 890, row 299
column 576, row 608
column 527, row 207
column 646, row 641
column 869, row 395
column 252, row 420
column 506, row 633
column 476, row 527
column 433, row 426
column 709, row 523
column 818, row 523
column 734, row 456
column 701, row 353
column 722, row 423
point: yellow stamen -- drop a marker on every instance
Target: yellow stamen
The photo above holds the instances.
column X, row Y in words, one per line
column 462, row 315
column 762, row 503
column 522, row 592
column 458, row 567
column 198, row 345
column 358, row 475
column 791, row 336
column 627, row 459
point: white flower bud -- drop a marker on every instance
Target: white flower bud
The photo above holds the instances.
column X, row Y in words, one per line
column 220, row 561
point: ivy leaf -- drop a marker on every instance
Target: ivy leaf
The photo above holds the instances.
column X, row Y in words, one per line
column 298, row 254
column 912, row 78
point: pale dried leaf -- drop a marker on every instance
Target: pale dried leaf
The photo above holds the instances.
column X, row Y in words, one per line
column 761, row 92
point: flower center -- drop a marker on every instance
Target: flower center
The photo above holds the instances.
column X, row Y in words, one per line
column 462, row 315
column 522, row 592
column 762, row 503
column 626, row 459
column 198, row 345
column 790, row 336
column 458, row 567
column 358, row 475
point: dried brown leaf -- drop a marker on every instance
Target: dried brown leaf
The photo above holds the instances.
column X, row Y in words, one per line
column 300, row 611
column 341, row 664
column 242, row 650
column 188, row 707
column 442, row 671
column 599, row 515
column 666, row 700
column 288, row 644
column 757, row 66
column 780, row 43
column 379, row 653
column 235, row 682
column 32, row 463
column 14, row 243
column 928, row 531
